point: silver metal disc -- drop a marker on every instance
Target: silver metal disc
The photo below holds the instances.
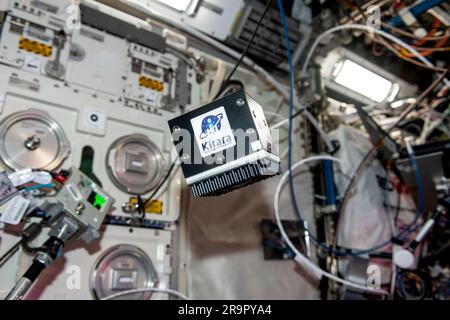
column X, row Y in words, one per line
column 120, row 268
column 32, row 139
column 135, row 164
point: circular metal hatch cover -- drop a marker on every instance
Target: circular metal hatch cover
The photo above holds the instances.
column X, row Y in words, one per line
column 32, row 139
column 123, row 267
column 135, row 164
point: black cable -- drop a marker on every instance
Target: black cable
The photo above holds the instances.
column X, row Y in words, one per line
column 29, row 234
column 232, row 82
column 8, row 254
column 247, row 47
column 163, row 181
column 235, row 82
column 26, row 247
column 141, row 206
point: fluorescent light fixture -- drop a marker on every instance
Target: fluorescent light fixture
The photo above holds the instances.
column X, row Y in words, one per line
column 179, row 5
column 365, row 82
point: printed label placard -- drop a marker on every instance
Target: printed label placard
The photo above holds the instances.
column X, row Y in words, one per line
column 213, row 132
column 33, row 63
column 74, row 192
column 16, row 209
column 151, row 97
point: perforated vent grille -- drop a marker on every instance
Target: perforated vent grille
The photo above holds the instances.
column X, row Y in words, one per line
column 269, row 44
column 236, row 178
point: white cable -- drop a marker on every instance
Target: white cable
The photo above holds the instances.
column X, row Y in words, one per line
column 372, row 30
column 425, row 127
column 279, row 124
column 276, row 115
column 236, row 55
column 299, row 257
column 284, row 122
column 159, row 290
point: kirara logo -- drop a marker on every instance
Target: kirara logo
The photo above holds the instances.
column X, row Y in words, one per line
column 213, row 132
column 210, row 125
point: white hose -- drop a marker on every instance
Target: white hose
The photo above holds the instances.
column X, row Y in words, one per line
column 299, row 257
column 274, row 114
column 159, row 290
column 369, row 29
column 236, row 55
column 279, row 124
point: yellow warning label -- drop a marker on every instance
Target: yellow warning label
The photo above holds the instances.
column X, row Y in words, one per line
column 151, row 84
column 35, row 47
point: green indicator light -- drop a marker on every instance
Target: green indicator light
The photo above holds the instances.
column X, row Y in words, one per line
column 99, row 201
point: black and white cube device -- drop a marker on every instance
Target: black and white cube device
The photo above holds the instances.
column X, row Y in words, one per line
column 224, row 145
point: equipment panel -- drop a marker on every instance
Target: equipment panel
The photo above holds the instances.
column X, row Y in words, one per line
column 97, row 100
column 65, row 93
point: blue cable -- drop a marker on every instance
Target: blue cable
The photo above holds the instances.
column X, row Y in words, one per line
column 418, row 177
column 401, row 286
column 40, row 186
column 329, row 182
column 291, row 177
column 416, row 11
column 291, row 108
column 291, row 111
